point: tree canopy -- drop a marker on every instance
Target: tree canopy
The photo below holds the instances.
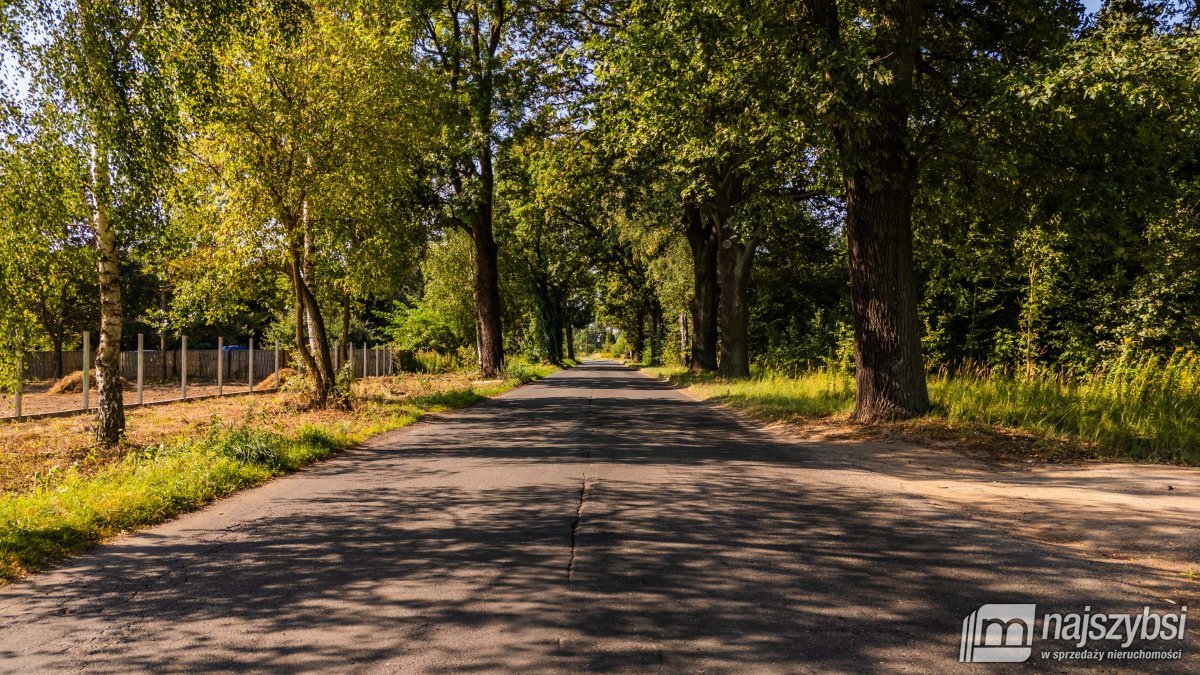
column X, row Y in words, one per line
column 889, row 187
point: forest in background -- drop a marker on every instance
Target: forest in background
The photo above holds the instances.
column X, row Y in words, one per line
column 889, row 190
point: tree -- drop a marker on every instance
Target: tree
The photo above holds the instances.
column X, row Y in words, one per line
column 45, row 241
column 690, row 90
column 307, row 165
column 494, row 60
column 886, row 76
column 122, row 66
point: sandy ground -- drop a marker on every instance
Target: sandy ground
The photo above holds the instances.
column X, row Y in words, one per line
column 35, row 399
column 1143, row 514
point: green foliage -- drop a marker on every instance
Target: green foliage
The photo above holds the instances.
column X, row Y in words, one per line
column 423, row 327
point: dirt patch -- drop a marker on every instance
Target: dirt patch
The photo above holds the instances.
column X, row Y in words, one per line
column 73, row 384
column 268, row 384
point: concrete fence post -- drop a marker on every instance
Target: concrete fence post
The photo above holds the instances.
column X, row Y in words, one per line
column 141, row 365
column 20, row 382
column 182, row 367
column 220, row 366
column 87, row 358
column 250, row 364
column 277, row 364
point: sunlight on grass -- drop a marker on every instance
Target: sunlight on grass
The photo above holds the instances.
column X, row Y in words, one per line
column 1138, row 408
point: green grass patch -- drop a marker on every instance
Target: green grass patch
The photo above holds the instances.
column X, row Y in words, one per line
column 69, row 512
column 1137, row 408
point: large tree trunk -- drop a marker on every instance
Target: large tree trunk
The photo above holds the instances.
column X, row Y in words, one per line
column 111, row 426
column 734, row 258
column 890, row 372
column 487, row 274
column 702, row 241
column 487, row 299
column 735, row 262
column 319, row 339
column 315, row 354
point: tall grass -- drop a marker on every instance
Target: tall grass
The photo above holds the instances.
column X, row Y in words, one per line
column 1140, row 407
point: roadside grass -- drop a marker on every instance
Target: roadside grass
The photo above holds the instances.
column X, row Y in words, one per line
column 180, row 457
column 1135, row 409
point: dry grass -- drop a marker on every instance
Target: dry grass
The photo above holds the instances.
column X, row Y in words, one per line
column 36, row 449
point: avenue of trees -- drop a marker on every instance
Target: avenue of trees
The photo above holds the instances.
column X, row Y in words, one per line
column 890, row 187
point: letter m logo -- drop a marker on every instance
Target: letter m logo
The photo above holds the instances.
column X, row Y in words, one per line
column 998, row 634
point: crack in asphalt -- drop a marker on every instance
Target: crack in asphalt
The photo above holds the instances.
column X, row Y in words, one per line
column 585, row 491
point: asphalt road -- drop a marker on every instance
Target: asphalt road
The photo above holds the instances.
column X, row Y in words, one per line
column 597, row 520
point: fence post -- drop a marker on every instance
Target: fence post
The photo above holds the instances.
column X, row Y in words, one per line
column 365, row 360
column 337, row 349
column 87, row 353
column 376, row 352
column 140, row 365
column 183, row 367
column 220, row 366
column 277, row 364
column 20, row 382
column 250, row 364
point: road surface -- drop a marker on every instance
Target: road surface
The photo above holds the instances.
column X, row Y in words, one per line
column 596, row 520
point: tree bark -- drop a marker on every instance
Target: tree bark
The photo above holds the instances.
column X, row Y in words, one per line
column 162, row 334
column 637, row 342
column 345, row 316
column 683, row 340
column 568, row 334
column 734, row 259
column 111, row 425
column 890, row 371
column 735, row 262
column 487, row 296
column 702, row 241
column 58, row 355
column 301, row 340
column 656, row 331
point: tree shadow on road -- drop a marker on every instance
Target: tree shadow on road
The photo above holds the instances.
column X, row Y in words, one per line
column 688, row 553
